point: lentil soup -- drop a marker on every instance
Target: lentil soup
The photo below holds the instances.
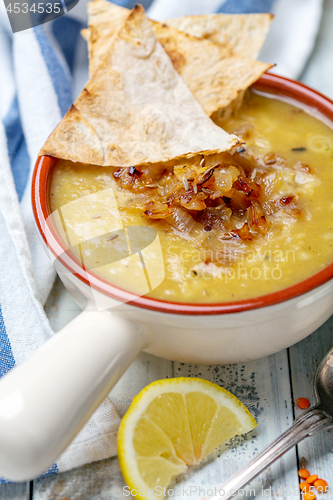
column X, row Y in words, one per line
column 242, row 226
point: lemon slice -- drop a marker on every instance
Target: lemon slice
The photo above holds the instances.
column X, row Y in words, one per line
column 172, row 424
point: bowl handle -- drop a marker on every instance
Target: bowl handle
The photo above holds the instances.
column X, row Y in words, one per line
column 46, row 400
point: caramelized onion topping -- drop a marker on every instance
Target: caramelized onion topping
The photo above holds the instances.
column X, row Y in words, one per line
column 215, row 201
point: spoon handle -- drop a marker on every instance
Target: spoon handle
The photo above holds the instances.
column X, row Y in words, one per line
column 311, row 422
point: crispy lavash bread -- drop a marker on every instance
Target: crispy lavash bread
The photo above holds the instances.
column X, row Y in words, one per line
column 135, row 109
column 104, row 23
column 106, row 18
column 241, row 34
column 216, row 79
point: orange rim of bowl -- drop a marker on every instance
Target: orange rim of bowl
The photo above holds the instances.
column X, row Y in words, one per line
column 268, row 83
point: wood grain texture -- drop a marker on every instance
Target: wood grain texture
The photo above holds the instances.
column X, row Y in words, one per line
column 304, row 359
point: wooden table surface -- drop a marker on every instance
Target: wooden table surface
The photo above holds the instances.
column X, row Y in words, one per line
column 269, row 387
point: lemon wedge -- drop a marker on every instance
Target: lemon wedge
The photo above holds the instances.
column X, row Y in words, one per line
column 172, row 424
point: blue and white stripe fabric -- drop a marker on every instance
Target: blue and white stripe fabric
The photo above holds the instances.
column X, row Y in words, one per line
column 41, row 71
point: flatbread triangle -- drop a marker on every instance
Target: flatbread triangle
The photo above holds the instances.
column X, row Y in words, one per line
column 240, row 34
column 216, row 77
column 136, row 109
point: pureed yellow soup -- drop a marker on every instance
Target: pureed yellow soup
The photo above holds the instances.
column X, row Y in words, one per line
column 231, row 228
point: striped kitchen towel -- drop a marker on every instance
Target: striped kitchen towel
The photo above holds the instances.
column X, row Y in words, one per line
column 41, row 71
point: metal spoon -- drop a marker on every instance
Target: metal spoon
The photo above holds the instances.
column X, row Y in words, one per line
column 312, row 421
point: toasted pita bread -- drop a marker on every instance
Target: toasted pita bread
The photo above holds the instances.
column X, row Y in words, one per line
column 216, row 79
column 135, row 109
column 239, row 34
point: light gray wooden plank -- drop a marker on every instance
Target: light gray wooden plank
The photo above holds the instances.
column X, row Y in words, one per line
column 264, row 387
column 305, row 357
column 15, row 491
